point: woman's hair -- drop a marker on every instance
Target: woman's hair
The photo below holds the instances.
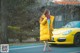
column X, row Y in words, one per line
column 46, row 12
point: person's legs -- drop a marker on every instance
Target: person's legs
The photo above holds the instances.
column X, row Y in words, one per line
column 45, row 45
column 49, row 48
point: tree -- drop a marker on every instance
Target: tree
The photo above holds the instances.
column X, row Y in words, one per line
column 4, row 24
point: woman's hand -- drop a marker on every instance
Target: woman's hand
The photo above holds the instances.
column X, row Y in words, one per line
column 41, row 19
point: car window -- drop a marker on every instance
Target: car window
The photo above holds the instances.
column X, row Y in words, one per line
column 75, row 24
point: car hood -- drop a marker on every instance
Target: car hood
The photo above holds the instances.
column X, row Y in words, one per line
column 61, row 30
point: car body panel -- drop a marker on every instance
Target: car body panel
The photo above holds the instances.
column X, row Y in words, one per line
column 59, row 34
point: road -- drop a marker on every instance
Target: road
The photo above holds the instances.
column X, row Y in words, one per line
column 38, row 48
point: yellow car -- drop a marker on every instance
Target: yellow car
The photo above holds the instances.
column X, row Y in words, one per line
column 69, row 34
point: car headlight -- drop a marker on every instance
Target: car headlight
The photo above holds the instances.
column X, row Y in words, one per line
column 67, row 32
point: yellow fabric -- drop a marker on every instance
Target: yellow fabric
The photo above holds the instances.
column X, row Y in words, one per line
column 46, row 33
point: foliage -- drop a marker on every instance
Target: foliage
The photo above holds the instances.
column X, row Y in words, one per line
column 22, row 16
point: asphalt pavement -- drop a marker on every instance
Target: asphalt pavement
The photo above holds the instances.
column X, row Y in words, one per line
column 38, row 48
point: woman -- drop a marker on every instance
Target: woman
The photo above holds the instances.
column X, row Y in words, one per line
column 46, row 28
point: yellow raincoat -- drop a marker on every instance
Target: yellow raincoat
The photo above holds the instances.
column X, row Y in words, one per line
column 45, row 32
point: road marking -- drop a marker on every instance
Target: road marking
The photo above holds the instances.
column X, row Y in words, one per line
column 75, row 52
column 25, row 47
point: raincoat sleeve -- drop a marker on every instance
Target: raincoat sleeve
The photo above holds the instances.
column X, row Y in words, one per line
column 43, row 21
column 52, row 28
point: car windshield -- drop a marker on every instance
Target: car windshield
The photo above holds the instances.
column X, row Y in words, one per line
column 74, row 24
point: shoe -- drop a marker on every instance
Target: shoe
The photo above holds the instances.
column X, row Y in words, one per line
column 44, row 50
column 49, row 50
